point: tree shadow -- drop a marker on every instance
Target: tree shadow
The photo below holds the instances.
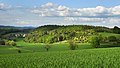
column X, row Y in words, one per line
column 109, row 45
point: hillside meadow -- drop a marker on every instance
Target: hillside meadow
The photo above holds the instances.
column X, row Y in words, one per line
column 39, row 47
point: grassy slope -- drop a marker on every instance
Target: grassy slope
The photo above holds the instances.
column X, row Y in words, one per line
column 92, row 58
column 110, row 34
column 38, row 47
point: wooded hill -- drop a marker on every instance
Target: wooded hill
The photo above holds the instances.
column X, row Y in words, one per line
column 9, row 33
column 57, row 33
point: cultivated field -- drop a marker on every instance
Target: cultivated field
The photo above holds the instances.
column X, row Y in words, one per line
column 90, row 58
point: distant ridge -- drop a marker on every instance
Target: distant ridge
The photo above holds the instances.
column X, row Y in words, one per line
column 16, row 27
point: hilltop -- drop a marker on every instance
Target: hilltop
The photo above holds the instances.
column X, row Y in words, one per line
column 57, row 33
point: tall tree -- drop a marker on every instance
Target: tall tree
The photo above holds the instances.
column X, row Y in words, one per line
column 116, row 30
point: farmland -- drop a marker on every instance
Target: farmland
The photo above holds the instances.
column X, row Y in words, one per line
column 55, row 47
column 91, row 58
column 59, row 56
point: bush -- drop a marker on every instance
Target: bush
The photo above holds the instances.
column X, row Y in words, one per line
column 19, row 51
column 2, row 42
column 10, row 43
column 72, row 45
column 47, row 47
column 112, row 39
column 95, row 41
column 105, row 40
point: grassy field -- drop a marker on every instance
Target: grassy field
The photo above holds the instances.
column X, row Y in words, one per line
column 39, row 47
column 104, row 34
column 88, row 58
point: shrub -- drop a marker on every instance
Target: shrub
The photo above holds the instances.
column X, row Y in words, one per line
column 47, row 47
column 13, row 43
column 105, row 40
column 72, row 45
column 112, row 39
column 19, row 51
column 2, row 42
column 95, row 41
column 10, row 43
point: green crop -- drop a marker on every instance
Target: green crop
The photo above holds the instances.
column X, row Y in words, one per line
column 89, row 58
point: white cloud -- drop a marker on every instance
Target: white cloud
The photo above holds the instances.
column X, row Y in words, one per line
column 62, row 8
column 23, row 23
column 98, row 15
column 48, row 5
column 115, row 10
column 92, row 21
column 51, row 9
column 82, row 19
column 4, row 6
column 59, row 15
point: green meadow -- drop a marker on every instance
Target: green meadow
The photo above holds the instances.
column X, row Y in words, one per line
column 39, row 47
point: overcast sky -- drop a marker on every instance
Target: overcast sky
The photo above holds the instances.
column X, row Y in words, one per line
column 60, row 12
